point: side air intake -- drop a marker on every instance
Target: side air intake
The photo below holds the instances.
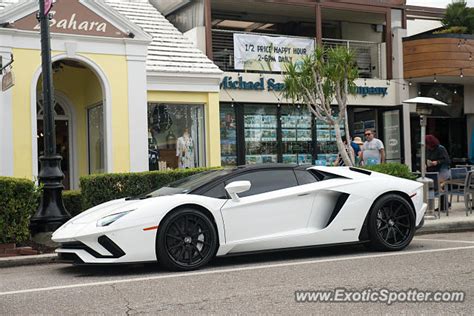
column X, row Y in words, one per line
column 341, row 200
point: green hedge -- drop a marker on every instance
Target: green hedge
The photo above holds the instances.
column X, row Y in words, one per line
column 18, row 202
column 97, row 189
column 393, row 169
column 73, row 202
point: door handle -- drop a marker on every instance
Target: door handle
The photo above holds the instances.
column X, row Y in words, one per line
column 303, row 194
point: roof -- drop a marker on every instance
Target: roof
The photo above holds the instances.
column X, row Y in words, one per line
column 169, row 51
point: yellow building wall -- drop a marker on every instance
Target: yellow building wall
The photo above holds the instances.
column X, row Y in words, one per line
column 211, row 109
column 82, row 88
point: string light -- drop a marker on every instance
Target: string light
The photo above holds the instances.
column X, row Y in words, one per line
column 461, row 75
column 410, row 83
column 470, row 56
column 435, row 80
column 455, row 91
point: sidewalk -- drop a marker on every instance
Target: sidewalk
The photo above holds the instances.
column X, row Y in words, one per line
column 456, row 221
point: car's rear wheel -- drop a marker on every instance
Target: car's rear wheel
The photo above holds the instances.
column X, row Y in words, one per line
column 186, row 240
column 391, row 223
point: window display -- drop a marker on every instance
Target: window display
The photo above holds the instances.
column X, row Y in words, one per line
column 260, row 125
column 175, row 136
column 95, row 128
column 297, row 140
column 326, row 145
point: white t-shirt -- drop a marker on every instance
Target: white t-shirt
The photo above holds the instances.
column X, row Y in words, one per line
column 371, row 150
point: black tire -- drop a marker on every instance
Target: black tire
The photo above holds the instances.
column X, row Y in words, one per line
column 391, row 223
column 186, row 240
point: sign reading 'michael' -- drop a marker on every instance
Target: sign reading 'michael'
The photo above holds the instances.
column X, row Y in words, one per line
column 71, row 17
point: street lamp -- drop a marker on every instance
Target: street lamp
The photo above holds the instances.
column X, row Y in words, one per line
column 51, row 213
column 424, row 107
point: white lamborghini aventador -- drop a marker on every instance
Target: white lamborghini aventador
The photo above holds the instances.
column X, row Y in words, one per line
column 246, row 209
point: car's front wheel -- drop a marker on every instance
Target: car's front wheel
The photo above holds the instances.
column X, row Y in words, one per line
column 186, row 240
column 391, row 223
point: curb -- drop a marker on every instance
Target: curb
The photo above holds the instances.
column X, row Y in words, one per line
column 450, row 227
column 28, row 260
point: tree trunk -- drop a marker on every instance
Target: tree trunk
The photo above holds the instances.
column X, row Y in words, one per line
column 340, row 146
column 348, row 136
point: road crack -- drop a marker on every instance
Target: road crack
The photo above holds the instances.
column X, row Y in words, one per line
column 124, row 297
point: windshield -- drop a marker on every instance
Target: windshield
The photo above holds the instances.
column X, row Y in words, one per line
column 188, row 184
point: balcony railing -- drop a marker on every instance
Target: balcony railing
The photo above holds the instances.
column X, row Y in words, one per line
column 368, row 54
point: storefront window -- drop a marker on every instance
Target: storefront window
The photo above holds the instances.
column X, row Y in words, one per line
column 228, row 135
column 175, row 136
column 326, row 142
column 297, row 140
column 95, row 126
column 260, row 124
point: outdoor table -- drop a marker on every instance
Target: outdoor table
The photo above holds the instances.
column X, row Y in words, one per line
column 459, row 182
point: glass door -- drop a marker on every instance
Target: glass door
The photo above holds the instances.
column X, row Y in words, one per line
column 392, row 135
column 228, row 135
column 260, row 131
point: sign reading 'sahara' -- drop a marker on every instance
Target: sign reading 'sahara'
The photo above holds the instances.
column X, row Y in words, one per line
column 71, row 17
column 73, row 24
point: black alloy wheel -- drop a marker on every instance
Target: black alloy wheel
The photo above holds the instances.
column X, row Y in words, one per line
column 186, row 240
column 391, row 223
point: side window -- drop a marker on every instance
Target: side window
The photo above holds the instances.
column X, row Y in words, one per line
column 217, row 192
column 267, row 181
column 305, row 177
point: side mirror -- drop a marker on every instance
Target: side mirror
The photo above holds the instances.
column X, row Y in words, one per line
column 236, row 187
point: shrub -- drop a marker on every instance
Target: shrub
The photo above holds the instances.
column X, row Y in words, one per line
column 18, row 202
column 393, row 169
column 453, row 30
column 73, row 202
column 97, row 189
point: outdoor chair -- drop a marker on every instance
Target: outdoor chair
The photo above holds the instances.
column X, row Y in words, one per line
column 453, row 189
column 438, row 192
column 468, row 167
column 469, row 192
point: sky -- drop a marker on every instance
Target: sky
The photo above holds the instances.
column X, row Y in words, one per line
column 436, row 3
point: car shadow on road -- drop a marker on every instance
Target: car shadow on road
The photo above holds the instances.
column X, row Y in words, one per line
column 233, row 261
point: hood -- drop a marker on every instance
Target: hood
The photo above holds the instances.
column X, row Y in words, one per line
column 105, row 209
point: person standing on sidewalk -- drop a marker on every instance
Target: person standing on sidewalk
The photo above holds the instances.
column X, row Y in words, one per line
column 373, row 150
column 437, row 158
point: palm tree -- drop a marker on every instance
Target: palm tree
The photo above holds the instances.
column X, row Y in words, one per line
column 319, row 79
column 459, row 18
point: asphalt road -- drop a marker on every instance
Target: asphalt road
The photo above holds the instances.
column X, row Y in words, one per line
column 264, row 283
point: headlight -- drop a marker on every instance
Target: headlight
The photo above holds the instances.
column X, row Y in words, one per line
column 106, row 221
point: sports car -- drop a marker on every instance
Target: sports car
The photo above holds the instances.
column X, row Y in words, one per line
column 246, row 209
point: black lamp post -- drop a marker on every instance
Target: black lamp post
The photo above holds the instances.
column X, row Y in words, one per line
column 51, row 213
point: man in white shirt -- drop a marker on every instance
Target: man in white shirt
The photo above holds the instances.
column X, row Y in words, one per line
column 372, row 151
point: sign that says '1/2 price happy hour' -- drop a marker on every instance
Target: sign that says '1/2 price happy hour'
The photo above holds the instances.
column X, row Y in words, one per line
column 268, row 53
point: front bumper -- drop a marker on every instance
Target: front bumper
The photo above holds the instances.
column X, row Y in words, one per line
column 78, row 252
